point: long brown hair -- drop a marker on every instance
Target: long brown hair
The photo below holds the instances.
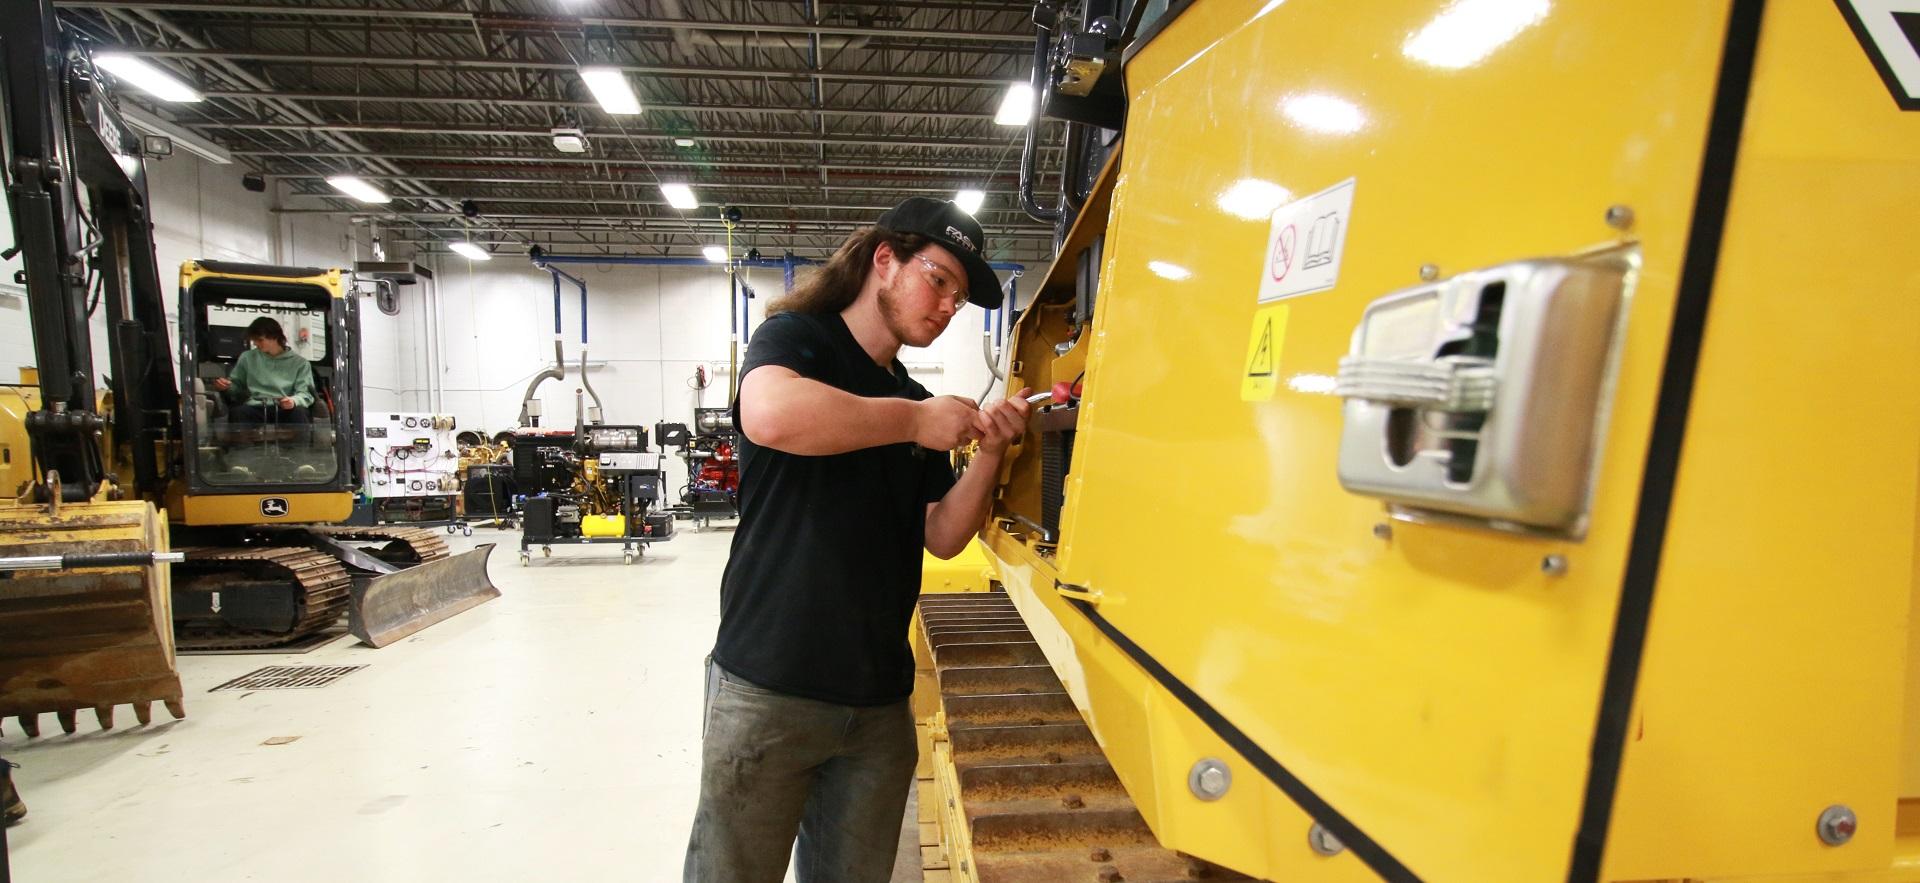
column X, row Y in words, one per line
column 834, row 285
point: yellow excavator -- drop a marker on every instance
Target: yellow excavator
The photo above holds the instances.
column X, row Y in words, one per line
column 143, row 513
column 1537, row 382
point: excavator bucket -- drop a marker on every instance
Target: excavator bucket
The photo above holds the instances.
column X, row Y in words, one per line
column 85, row 639
column 390, row 606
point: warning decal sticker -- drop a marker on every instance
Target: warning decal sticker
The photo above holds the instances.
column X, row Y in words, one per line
column 1305, row 243
column 1889, row 30
column 1263, row 353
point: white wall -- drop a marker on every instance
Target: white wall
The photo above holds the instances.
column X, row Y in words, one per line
column 650, row 326
column 649, row 329
column 200, row 210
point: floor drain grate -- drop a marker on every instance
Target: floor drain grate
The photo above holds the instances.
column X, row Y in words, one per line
column 289, row 677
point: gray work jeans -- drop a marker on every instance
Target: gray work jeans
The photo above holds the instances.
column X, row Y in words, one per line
column 773, row 765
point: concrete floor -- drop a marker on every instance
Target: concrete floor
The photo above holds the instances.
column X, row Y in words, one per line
column 553, row 733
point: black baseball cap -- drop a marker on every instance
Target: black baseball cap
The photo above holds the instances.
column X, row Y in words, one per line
column 944, row 223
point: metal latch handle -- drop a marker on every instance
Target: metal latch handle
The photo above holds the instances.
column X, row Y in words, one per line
column 1459, row 384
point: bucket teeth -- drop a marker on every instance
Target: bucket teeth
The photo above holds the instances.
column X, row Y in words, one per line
column 175, row 708
column 31, row 724
column 68, row 722
column 143, row 712
column 104, row 715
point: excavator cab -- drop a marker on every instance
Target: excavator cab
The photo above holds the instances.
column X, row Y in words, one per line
column 242, row 442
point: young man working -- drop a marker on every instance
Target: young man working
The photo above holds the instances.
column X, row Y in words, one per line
column 844, row 480
column 273, row 383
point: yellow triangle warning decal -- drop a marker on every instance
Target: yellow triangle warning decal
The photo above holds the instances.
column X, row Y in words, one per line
column 1263, row 353
column 1261, row 363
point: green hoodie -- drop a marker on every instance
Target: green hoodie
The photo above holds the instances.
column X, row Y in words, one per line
column 260, row 379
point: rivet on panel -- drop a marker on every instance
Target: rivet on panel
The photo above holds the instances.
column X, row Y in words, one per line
column 1429, row 272
column 1323, row 841
column 1383, row 531
column 1553, row 565
column 1837, row 825
column 1619, row 217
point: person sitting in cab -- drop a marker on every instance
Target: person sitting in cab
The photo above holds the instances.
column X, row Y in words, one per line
column 269, row 383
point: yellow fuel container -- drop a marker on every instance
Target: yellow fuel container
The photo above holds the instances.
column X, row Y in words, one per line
column 603, row 526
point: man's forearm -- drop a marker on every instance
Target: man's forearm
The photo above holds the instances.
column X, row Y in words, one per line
column 953, row 522
column 806, row 417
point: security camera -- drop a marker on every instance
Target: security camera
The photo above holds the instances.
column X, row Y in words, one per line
column 731, row 213
column 469, row 208
column 254, row 182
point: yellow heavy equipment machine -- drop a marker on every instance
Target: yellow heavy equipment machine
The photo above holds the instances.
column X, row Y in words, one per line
column 88, row 605
column 1541, row 380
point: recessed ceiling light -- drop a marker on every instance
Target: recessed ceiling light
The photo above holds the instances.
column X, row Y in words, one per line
column 683, row 142
column 715, row 253
column 969, row 201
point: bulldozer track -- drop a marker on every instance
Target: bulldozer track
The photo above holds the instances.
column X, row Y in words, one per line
column 322, row 583
column 1032, row 794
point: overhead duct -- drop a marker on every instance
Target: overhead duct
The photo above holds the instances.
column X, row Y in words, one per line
column 530, row 409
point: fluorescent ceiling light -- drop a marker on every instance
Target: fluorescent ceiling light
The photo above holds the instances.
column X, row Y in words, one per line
column 683, row 142
column 470, row 251
column 610, row 87
column 1016, row 109
column 679, row 196
column 1252, row 199
column 1165, row 270
column 1470, row 30
column 1324, row 113
column 182, row 138
column 358, row 189
column 715, row 254
column 149, row 78
column 969, row 201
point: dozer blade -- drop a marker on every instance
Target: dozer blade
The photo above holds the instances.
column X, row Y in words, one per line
column 88, row 638
column 391, row 606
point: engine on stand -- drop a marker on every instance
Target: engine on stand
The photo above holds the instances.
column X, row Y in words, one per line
column 713, row 467
column 593, row 485
column 487, row 489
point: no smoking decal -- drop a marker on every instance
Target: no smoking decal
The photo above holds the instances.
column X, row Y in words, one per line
column 1305, row 243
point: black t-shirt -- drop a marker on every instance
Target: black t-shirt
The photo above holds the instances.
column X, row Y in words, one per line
column 819, row 592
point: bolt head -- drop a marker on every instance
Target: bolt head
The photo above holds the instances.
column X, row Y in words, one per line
column 1553, row 565
column 1619, row 217
column 1209, row 779
column 1837, row 825
column 1323, row 842
column 1383, row 530
column 1429, row 272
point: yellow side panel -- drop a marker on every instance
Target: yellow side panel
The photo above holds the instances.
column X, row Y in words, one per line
column 16, row 449
column 1437, row 689
column 224, row 509
column 1772, row 681
column 969, row 571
